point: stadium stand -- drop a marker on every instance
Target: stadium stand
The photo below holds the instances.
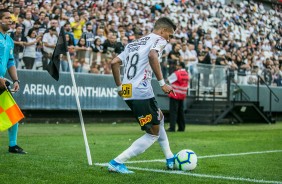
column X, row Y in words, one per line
column 245, row 36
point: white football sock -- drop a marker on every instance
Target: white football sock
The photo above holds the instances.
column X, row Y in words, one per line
column 163, row 141
column 137, row 147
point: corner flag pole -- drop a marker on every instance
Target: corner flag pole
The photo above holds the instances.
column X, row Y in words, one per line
column 79, row 111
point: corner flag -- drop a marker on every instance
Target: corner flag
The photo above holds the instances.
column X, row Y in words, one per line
column 10, row 112
column 61, row 48
column 54, row 68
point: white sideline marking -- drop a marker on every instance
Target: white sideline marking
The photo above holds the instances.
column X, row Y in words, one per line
column 203, row 175
column 197, row 175
column 209, row 156
column 239, row 154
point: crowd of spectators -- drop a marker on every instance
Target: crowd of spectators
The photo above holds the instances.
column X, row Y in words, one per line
column 246, row 37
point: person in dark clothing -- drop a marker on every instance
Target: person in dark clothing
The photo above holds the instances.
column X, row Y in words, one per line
column 119, row 47
column 111, row 46
column 218, row 73
column 194, row 39
column 43, row 25
column 204, row 58
column 68, row 30
column 97, row 47
column 88, row 35
column 129, row 33
column 18, row 38
column 20, row 22
column 173, row 57
column 278, row 46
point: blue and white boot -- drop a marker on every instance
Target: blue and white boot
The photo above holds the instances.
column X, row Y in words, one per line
column 113, row 166
column 170, row 163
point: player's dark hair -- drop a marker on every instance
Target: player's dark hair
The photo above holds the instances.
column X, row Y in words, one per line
column 164, row 22
column 2, row 11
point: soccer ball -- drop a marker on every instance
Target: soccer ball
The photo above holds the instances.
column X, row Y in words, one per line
column 186, row 160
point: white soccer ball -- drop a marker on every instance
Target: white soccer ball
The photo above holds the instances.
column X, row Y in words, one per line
column 186, row 160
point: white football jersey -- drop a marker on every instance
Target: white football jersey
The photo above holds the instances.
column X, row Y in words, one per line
column 137, row 73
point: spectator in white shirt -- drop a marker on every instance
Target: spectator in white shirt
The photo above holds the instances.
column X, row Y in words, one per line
column 29, row 53
column 192, row 60
column 49, row 43
column 208, row 41
column 28, row 22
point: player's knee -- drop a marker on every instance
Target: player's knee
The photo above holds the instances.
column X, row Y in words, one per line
column 152, row 133
column 154, row 130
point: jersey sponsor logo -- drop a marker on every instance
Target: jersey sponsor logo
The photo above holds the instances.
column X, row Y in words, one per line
column 144, row 120
column 141, row 41
column 133, row 49
column 127, row 90
column 155, row 44
column 144, row 83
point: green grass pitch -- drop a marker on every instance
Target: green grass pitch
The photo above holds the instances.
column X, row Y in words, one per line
column 245, row 153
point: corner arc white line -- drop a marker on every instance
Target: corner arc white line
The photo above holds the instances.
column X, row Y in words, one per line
column 198, row 175
column 203, row 175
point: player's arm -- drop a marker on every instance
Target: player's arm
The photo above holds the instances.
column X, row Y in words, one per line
column 13, row 74
column 155, row 65
column 12, row 70
column 115, row 64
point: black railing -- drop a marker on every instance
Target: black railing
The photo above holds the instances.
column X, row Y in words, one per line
column 276, row 99
column 236, row 91
column 198, row 90
column 239, row 91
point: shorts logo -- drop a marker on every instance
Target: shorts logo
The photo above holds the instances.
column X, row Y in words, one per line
column 145, row 120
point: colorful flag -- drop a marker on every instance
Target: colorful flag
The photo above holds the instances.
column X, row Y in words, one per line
column 61, row 48
column 10, row 112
